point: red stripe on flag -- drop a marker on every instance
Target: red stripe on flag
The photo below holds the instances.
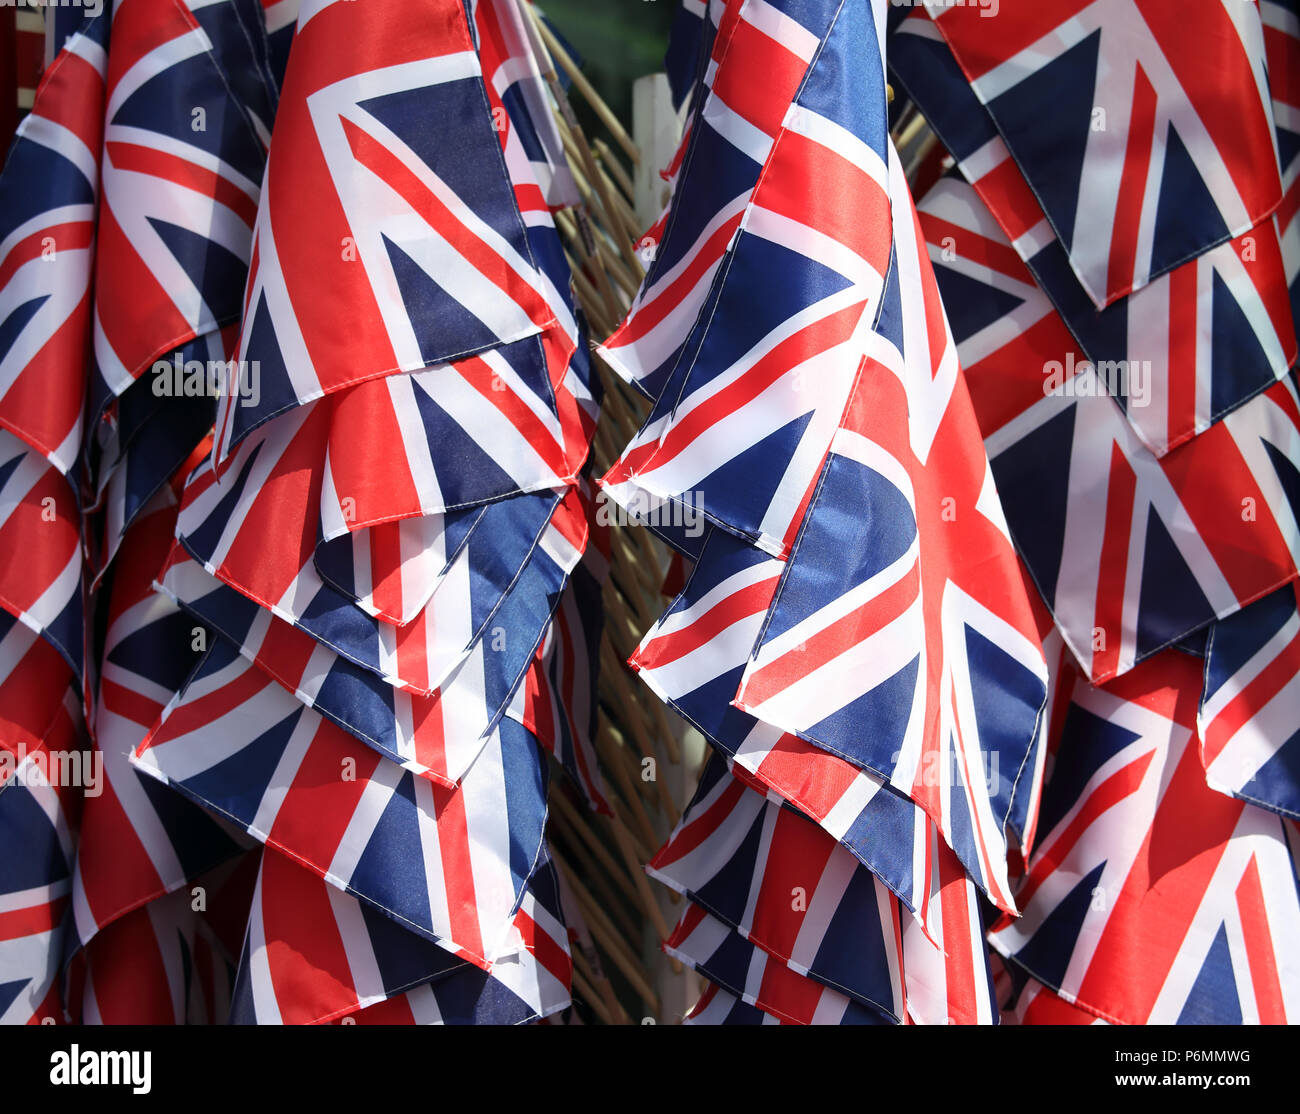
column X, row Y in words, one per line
column 1260, row 947
column 1133, row 184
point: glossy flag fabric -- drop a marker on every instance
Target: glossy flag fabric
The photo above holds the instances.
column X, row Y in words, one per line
column 984, row 512
column 1171, row 332
column 1158, row 144
column 1168, row 765
column 811, row 411
column 387, row 609
column 1152, row 898
column 1179, row 353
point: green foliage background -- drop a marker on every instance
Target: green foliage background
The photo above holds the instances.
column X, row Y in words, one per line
column 617, row 42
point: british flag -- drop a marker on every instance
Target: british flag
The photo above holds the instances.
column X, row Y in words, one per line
column 760, row 980
column 152, row 464
column 34, row 889
column 1138, row 856
column 447, row 864
column 221, row 525
column 47, row 238
column 789, row 889
column 742, row 426
column 1246, row 723
column 413, row 729
column 417, row 243
column 693, row 659
column 1031, row 1003
column 730, row 137
column 1132, row 553
column 804, row 1000
column 315, row 954
column 337, row 506
column 279, row 17
column 40, row 548
column 783, row 885
column 690, row 40
column 521, row 108
column 1191, row 345
column 170, row 962
column 35, row 680
column 139, row 841
column 181, row 169
column 694, row 656
column 557, row 701
column 919, row 660
column 1145, row 129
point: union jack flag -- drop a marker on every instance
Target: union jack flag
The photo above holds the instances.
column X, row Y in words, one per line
column 40, row 549
column 151, row 467
column 789, row 889
column 447, row 864
column 783, row 885
column 170, row 962
column 919, row 660
column 730, row 137
column 138, row 841
column 557, row 701
column 760, row 980
column 1144, row 128
column 180, row 176
column 1249, row 742
column 416, row 240
column 690, row 38
column 315, row 954
column 531, row 141
column 1138, row 856
column 721, row 1007
column 1031, row 1003
column 279, row 17
column 1132, row 553
column 46, row 246
column 438, row 734
column 740, row 430
column 35, row 680
column 34, row 888
column 1189, row 346
column 222, row 524
column 693, row 659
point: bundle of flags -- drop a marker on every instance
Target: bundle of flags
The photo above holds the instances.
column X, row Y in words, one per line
column 991, row 611
column 1121, row 269
column 985, row 513
column 295, row 570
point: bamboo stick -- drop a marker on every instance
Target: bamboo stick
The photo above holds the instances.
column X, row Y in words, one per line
column 606, row 115
column 629, row 796
column 624, row 841
column 589, row 995
column 616, row 169
column 607, row 937
column 613, row 900
column 599, row 849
